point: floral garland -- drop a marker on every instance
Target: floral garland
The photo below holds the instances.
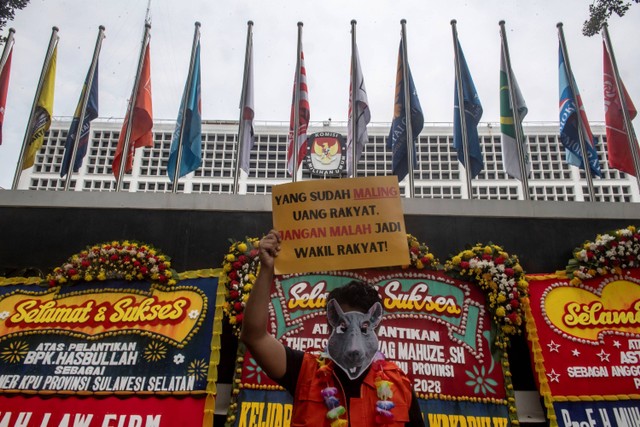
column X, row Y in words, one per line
column 420, row 255
column 240, row 269
column 336, row 410
column 610, row 253
column 115, row 260
column 241, row 264
column 502, row 279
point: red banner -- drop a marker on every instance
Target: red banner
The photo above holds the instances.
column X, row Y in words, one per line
column 101, row 412
column 586, row 339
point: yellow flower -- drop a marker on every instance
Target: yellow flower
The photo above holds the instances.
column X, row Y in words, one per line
column 242, row 247
column 162, row 258
column 62, row 280
column 500, row 312
column 467, row 254
column 230, row 257
column 128, row 277
column 168, row 273
column 517, row 269
column 456, row 260
column 75, row 277
column 226, row 267
column 502, row 298
column 251, row 277
column 102, row 276
column 419, row 265
column 575, row 281
column 171, row 282
column 232, row 320
column 631, row 228
column 247, row 287
column 488, row 250
column 88, row 277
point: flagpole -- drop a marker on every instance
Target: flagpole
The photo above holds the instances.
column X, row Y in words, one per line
column 185, row 101
column 354, row 102
column 53, row 41
column 7, row 49
column 243, row 100
column 407, row 105
column 83, row 105
column 461, row 109
column 296, row 104
column 132, row 104
column 631, row 135
column 524, row 179
column 574, row 91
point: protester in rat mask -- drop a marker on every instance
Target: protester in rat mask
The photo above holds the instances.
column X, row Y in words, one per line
column 351, row 383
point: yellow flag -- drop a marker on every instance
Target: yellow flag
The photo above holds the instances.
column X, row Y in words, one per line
column 42, row 114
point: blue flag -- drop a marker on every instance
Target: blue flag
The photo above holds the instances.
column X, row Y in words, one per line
column 91, row 112
column 397, row 140
column 192, row 133
column 571, row 104
column 472, row 115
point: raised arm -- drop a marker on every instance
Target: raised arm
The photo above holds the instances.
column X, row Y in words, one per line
column 267, row 351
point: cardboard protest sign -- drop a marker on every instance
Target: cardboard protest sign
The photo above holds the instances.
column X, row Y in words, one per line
column 339, row 224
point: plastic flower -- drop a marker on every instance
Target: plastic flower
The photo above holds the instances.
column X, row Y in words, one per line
column 501, row 277
column 114, row 260
column 609, row 253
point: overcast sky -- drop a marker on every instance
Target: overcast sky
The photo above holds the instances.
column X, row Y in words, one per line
column 530, row 24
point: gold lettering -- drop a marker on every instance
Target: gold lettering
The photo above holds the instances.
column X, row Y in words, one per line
column 594, row 315
column 35, row 312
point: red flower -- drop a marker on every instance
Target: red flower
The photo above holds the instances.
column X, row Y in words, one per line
column 237, row 307
column 464, row 264
column 113, row 257
column 233, row 295
column 415, row 250
column 590, row 255
column 253, row 253
column 237, row 265
column 72, row 272
column 144, row 270
column 487, row 257
column 136, row 263
column 239, row 318
column 52, row 283
column 85, row 263
column 233, row 275
column 613, row 244
column 499, row 260
column 514, row 303
column 425, row 260
column 509, row 271
column 162, row 267
column 242, row 259
column 513, row 317
column 163, row 278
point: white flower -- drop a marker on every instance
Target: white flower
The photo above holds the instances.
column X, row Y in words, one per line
column 4, row 315
column 178, row 359
column 193, row 314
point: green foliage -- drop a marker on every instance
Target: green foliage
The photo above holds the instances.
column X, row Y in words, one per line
column 7, row 12
column 600, row 11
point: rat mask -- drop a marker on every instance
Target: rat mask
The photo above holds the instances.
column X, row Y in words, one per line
column 353, row 341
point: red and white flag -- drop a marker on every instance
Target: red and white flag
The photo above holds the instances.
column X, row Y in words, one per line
column 4, row 88
column 141, row 123
column 363, row 115
column 618, row 143
column 303, row 118
column 248, row 112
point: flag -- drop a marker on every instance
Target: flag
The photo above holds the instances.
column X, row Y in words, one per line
column 570, row 103
column 4, row 88
column 510, row 157
column 191, row 157
column 397, row 141
column 42, row 115
column 618, row 145
column 91, row 112
column 363, row 115
column 304, row 115
column 142, row 120
column 248, row 135
column 472, row 115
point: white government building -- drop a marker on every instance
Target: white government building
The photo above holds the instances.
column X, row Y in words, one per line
column 438, row 174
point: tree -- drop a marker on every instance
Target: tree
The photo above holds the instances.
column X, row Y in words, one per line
column 7, row 11
column 600, row 11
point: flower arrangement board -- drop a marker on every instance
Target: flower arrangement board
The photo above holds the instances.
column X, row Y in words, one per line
column 147, row 347
column 435, row 327
column 585, row 340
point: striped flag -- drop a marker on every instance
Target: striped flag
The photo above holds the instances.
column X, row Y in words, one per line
column 248, row 135
column 304, row 115
column 4, row 88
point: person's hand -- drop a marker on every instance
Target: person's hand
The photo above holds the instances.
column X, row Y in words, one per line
column 269, row 247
